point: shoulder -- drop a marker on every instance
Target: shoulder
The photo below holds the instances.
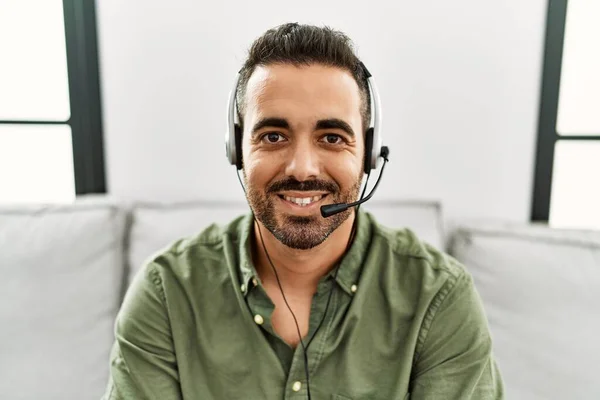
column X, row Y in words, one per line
column 426, row 277
column 182, row 257
column 406, row 247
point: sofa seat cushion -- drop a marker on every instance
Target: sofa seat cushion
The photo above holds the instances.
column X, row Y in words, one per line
column 62, row 270
column 541, row 292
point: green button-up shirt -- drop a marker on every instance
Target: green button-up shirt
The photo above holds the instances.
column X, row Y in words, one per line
column 405, row 321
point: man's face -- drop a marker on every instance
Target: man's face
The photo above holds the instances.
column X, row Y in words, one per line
column 303, row 147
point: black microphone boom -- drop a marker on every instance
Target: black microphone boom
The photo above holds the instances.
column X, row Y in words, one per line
column 332, row 209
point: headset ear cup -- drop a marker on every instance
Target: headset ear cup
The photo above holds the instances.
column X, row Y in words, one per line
column 238, row 147
column 368, row 150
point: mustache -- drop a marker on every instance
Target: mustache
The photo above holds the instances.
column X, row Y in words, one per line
column 295, row 185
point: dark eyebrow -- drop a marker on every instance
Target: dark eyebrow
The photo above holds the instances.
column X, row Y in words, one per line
column 271, row 122
column 330, row 123
column 335, row 123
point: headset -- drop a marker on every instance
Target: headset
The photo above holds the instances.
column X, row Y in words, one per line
column 374, row 153
column 373, row 140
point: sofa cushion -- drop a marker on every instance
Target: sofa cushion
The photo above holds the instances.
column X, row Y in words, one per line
column 155, row 225
column 541, row 292
column 61, row 282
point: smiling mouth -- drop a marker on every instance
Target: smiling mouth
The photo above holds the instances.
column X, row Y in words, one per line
column 302, row 201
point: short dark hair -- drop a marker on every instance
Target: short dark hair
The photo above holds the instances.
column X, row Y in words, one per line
column 303, row 45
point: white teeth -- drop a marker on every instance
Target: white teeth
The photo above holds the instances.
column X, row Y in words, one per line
column 303, row 201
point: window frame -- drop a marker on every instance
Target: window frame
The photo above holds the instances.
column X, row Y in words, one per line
column 547, row 135
column 84, row 97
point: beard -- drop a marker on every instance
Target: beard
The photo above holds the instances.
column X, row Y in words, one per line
column 299, row 232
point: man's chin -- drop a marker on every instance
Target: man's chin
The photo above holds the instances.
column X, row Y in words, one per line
column 300, row 232
column 300, row 242
column 299, row 220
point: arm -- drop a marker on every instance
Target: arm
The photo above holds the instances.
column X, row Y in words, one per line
column 455, row 358
column 142, row 360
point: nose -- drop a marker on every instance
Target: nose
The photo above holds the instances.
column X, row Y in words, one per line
column 304, row 163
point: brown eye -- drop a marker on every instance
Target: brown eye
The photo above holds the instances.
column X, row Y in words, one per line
column 272, row 137
column 333, row 139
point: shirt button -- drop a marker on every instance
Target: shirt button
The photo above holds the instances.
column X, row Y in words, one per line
column 296, row 386
column 254, row 282
column 258, row 319
column 353, row 288
column 243, row 288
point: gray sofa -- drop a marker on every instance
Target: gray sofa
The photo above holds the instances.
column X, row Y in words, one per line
column 66, row 268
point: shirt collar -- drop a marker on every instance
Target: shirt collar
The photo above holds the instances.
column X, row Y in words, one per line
column 349, row 269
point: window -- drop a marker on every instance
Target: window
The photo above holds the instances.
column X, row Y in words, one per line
column 50, row 120
column 567, row 173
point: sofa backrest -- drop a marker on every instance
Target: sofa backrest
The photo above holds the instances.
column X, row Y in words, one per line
column 62, row 277
column 541, row 292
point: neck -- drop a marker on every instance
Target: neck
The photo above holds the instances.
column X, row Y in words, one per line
column 299, row 270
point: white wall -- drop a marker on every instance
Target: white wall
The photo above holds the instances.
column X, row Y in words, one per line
column 459, row 83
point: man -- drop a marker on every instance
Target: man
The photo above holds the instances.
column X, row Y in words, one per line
column 284, row 303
